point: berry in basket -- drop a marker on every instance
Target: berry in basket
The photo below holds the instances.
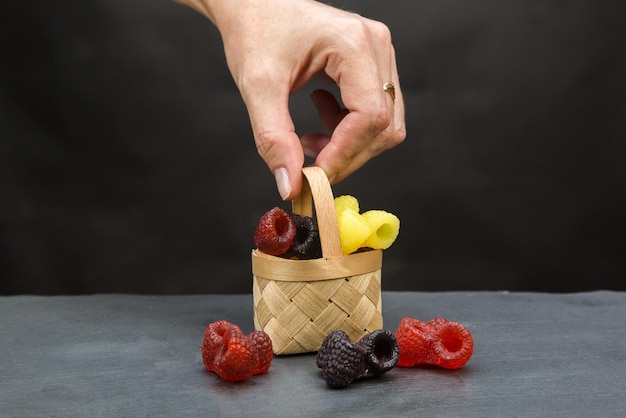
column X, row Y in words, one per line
column 290, row 235
column 275, row 232
column 343, row 361
column 233, row 356
column 346, row 202
column 353, row 230
column 375, row 229
column 384, row 228
column 437, row 342
column 306, row 243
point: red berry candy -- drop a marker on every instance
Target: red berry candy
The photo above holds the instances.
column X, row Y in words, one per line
column 233, row 356
column 275, row 232
column 438, row 342
column 213, row 342
column 263, row 345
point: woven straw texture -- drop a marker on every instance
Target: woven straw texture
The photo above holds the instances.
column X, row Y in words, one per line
column 298, row 313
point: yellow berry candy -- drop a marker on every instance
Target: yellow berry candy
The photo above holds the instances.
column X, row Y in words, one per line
column 384, row 229
column 353, row 230
column 346, row 202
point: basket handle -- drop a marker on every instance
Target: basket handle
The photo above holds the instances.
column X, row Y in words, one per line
column 316, row 190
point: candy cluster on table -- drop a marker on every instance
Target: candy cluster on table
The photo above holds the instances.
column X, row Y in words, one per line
column 235, row 357
column 438, row 342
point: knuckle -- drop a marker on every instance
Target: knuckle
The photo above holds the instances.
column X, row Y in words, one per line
column 398, row 135
column 267, row 144
column 257, row 73
column 389, row 139
column 250, row 79
column 354, row 33
column 381, row 32
column 363, row 29
column 379, row 119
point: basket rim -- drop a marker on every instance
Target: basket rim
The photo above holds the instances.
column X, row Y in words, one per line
column 270, row 267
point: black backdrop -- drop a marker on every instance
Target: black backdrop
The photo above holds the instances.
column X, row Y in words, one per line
column 127, row 163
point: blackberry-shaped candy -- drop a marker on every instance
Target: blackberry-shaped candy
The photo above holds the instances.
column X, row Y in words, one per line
column 306, row 244
column 343, row 361
column 382, row 351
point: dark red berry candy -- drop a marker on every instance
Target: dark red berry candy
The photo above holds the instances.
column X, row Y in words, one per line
column 264, row 348
column 275, row 232
column 233, row 356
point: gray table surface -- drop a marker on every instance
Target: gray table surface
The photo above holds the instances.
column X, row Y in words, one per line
column 535, row 354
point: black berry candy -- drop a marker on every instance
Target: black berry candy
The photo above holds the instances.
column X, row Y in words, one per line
column 306, row 243
column 343, row 361
column 382, row 352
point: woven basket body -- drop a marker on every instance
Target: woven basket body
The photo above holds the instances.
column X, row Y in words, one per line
column 298, row 302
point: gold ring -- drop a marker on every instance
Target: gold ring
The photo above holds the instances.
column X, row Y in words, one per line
column 389, row 88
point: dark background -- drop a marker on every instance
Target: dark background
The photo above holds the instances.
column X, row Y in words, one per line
column 127, row 162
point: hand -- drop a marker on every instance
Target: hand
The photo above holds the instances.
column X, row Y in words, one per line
column 274, row 47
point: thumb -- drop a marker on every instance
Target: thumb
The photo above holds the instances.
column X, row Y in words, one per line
column 277, row 142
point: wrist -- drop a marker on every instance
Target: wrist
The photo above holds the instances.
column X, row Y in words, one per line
column 225, row 13
column 214, row 10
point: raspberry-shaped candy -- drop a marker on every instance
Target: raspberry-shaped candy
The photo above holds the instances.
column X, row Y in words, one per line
column 353, row 230
column 384, row 229
column 438, row 342
column 237, row 359
column 233, row 356
column 275, row 232
column 306, row 244
column 346, row 202
column 263, row 344
column 381, row 350
column 213, row 341
column 343, row 361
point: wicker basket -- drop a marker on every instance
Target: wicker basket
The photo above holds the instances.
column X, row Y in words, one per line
column 298, row 302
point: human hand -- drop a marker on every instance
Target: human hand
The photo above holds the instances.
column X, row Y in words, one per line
column 275, row 47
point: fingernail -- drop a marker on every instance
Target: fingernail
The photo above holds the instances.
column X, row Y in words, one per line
column 282, row 182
